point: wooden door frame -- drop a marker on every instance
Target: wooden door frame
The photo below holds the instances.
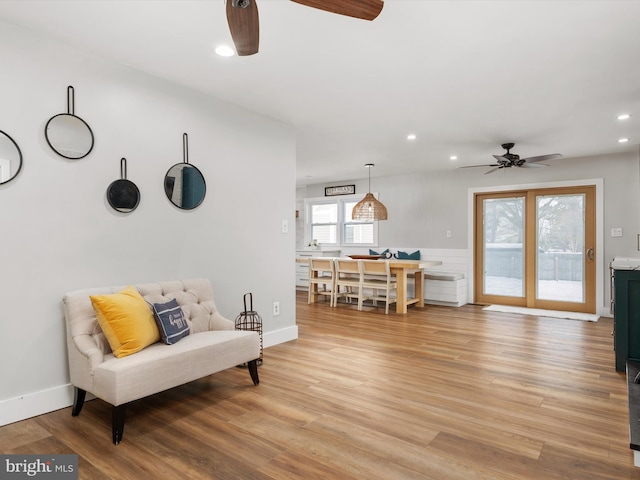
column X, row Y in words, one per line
column 601, row 271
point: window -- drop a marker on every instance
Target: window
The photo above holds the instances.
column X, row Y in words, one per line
column 324, row 223
column 329, row 223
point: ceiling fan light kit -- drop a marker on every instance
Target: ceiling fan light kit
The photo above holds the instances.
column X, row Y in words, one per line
column 244, row 26
column 508, row 160
column 369, row 208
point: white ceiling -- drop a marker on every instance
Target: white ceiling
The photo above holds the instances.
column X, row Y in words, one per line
column 464, row 76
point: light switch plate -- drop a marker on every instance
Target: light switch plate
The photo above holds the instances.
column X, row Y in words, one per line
column 616, row 232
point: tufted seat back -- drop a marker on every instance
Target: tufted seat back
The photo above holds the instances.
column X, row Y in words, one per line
column 85, row 337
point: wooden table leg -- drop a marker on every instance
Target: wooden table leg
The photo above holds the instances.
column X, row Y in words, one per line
column 401, row 291
column 419, row 287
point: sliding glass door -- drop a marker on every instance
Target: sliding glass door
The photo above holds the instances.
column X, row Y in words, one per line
column 536, row 248
column 503, row 235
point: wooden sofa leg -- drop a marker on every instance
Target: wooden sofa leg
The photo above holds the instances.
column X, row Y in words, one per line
column 253, row 371
column 78, row 401
column 117, row 423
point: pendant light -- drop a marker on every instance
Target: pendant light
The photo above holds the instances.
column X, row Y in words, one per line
column 369, row 209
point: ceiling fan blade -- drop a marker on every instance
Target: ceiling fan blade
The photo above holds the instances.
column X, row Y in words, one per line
column 543, row 158
column 500, row 158
column 493, row 170
column 485, row 165
column 363, row 9
column 242, row 16
column 532, row 165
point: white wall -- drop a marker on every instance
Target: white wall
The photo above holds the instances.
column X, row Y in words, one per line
column 59, row 234
column 423, row 207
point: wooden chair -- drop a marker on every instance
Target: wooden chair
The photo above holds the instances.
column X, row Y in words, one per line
column 348, row 276
column 376, row 275
column 321, row 278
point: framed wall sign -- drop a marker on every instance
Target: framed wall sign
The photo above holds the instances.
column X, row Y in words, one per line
column 339, row 190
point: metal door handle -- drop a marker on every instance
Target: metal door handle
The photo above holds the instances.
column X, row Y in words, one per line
column 590, row 254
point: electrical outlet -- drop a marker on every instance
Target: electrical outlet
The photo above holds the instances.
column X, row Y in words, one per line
column 276, row 309
column 448, row 233
column 285, row 226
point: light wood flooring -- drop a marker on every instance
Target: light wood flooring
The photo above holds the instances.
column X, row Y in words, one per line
column 440, row 393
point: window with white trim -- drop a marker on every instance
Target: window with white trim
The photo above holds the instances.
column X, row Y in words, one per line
column 328, row 221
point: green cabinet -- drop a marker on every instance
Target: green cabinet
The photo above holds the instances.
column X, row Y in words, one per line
column 626, row 284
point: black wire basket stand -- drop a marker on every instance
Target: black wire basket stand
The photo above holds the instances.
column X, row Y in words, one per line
column 251, row 321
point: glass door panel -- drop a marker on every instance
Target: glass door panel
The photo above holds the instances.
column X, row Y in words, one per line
column 560, row 265
column 503, row 254
column 536, row 248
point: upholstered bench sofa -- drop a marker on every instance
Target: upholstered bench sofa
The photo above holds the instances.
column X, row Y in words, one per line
column 208, row 343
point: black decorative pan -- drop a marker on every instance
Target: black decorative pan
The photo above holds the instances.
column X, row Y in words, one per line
column 123, row 195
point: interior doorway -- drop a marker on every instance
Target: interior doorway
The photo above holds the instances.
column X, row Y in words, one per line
column 536, row 248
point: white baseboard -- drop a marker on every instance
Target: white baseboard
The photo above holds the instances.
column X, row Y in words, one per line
column 37, row 403
column 34, row 404
column 280, row 336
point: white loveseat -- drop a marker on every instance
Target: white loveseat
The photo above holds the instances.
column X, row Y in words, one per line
column 212, row 345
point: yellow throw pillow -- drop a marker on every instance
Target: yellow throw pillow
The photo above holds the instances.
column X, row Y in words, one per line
column 126, row 320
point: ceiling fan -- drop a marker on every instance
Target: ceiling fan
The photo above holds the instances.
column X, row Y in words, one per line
column 508, row 160
column 242, row 16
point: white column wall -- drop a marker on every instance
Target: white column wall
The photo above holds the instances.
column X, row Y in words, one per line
column 58, row 233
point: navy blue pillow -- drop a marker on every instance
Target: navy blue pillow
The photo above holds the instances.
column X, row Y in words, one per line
column 408, row 256
column 171, row 321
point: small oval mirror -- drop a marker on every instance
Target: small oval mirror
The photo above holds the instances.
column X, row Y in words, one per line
column 10, row 158
column 67, row 134
column 185, row 186
column 123, row 195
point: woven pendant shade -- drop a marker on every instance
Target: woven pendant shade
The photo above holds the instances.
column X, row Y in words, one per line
column 369, row 208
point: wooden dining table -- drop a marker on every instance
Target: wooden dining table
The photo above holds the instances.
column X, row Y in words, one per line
column 402, row 269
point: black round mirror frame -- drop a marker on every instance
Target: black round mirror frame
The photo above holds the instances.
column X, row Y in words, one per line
column 189, row 191
column 184, row 184
column 123, row 195
column 73, row 128
column 67, row 134
column 11, row 159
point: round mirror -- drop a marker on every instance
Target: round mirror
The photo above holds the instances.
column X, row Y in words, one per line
column 69, row 136
column 123, row 195
column 10, row 158
column 185, row 186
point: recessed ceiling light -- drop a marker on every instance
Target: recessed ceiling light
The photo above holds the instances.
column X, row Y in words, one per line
column 411, row 136
column 225, row 51
column 624, row 116
column 453, row 157
column 623, row 140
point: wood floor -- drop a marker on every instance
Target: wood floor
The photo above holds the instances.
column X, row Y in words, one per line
column 440, row 393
